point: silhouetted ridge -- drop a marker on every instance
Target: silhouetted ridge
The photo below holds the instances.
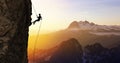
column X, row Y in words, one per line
column 69, row 51
column 70, row 44
column 98, row 54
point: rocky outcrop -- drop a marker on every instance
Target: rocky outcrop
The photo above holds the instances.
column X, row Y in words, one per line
column 15, row 19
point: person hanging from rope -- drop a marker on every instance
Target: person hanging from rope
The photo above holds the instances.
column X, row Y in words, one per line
column 38, row 19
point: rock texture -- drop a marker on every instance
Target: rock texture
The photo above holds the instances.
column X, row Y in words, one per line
column 15, row 19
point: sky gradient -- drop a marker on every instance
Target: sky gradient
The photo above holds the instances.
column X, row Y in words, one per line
column 58, row 14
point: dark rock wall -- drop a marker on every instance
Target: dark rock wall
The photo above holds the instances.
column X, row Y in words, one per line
column 15, row 19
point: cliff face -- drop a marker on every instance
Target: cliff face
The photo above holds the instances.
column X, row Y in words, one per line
column 14, row 26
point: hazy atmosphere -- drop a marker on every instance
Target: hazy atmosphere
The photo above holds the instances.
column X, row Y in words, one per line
column 75, row 31
column 58, row 14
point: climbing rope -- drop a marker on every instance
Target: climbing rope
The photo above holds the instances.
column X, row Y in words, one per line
column 34, row 10
column 34, row 50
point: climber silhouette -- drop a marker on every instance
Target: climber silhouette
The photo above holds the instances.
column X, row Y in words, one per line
column 38, row 19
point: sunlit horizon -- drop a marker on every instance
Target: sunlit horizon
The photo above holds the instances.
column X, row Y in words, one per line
column 58, row 14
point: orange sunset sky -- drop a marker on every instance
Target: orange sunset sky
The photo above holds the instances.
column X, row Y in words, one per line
column 58, row 14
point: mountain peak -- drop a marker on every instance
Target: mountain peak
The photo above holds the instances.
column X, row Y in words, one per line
column 86, row 25
column 74, row 24
column 72, row 43
column 86, row 22
column 69, row 51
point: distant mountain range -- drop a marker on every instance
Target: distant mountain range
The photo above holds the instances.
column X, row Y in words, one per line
column 70, row 51
column 85, row 32
column 95, row 28
column 85, row 25
column 90, row 43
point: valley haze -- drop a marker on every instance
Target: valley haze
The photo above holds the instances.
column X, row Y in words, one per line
column 80, row 30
